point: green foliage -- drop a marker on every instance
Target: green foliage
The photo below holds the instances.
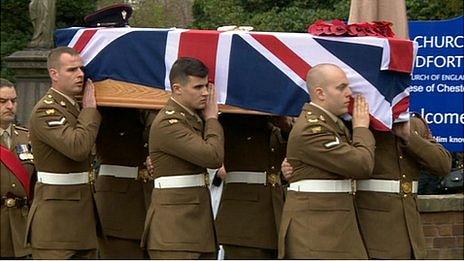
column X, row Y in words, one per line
column 434, row 9
column 16, row 27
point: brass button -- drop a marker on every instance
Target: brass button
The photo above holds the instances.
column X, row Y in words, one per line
column 407, row 187
column 272, row 167
column 248, row 138
column 13, row 185
column 10, row 202
column 272, row 149
column 404, row 176
column 401, row 157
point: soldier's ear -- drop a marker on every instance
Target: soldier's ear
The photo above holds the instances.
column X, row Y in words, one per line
column 53, row 74
column 176, row 89
column 320, row 94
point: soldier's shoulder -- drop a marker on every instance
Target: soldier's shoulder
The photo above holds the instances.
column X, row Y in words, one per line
column 315, row 123
column 170, row 116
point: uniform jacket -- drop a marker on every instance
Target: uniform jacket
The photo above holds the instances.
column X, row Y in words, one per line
column 249, row 214
column 62, row 216
column 13, row 220
column 324, row 225
column 390, row 223
column 181, row 144
column 121, row 202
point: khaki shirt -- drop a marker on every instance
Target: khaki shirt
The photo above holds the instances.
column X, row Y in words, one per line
column 62, row 138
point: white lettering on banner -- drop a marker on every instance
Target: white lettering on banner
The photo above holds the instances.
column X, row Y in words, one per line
column 442, row 87
column 440, row 139
column 420, row 77
column 442, row 118
column 455, row 139
column 445, row 41
column 452, row 77
column 439, row 61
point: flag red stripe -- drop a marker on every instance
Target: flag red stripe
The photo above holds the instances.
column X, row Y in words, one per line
column 285, row 54
column 400, row 107
column 84, row 39
column 200, row 44
column 401, row 55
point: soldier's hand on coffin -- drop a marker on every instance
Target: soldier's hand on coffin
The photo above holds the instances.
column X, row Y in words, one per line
column 360, row 112
column 287, row 169
column 211, row 109
column 402, row 130
column 88, row 100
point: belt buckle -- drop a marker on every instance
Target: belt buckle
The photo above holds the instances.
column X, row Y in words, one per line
column 273, row 179
column 10, row 202
column 406, row 187
column 206, row 176
column 353, row 186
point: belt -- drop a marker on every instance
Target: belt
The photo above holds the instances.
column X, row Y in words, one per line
column 183, row 181
column 252, row 177
column 63, row 178
column 118, row 171
column 388, row 186
column 14, row 202
column 324, row 185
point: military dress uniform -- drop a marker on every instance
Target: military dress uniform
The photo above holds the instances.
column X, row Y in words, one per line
column 319, row 219
column 179, row 222
column 15, row 199
column 120, row 192
column 251, row 205
column 387, row 208
column 62, row 219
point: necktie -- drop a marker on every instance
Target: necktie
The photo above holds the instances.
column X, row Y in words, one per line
column 6, row 139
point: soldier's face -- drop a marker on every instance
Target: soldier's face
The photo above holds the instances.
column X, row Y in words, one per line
column 194, row 93
column 7, row 105
column 69, row 77
column 337, row 93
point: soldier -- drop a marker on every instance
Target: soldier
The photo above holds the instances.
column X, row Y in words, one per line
column 252, row 200
column 179, row 223
column 62, row 220
column 122, row 183
column 319, row 219
column 388, row 217
column 17, row 180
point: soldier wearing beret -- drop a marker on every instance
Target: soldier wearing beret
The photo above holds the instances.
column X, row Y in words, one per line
column 62, row 222
column 319, row 218
column 17, row 176
column 388, row 217
column 185, row 139
column 251, row 205
column 122, row 187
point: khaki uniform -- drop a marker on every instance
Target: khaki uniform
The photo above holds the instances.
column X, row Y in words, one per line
column 121, row 201
column 323, row 225
column 62, row 216
column 181, row 219
column 249, row 214
column 390, row 222
column 13, row 219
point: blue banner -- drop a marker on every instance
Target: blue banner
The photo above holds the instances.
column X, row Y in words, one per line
column 437, row 86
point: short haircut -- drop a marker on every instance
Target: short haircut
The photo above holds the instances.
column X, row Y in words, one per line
column 319, row 74
column 6, row 83
column 53, row 60
column 185, row 67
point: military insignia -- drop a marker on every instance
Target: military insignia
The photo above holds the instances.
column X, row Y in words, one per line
column 23, row 152
column 62, row 103
column 49, row 96
column 172, row 121
column 313, row 120
column 322, row 118
column 50, row 111
column 48, row 102
column 309, row 113
column 170, row 112
column 332, row 143
column 183, row 114
column 16, row 133
column 315, row 129
column 57, row 123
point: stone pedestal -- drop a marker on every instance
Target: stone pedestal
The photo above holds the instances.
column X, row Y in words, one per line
column 32, row 80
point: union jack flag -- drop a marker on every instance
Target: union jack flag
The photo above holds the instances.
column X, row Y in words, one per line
column 260, row 71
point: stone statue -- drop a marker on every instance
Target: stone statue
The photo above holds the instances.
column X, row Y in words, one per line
column 42, row 14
